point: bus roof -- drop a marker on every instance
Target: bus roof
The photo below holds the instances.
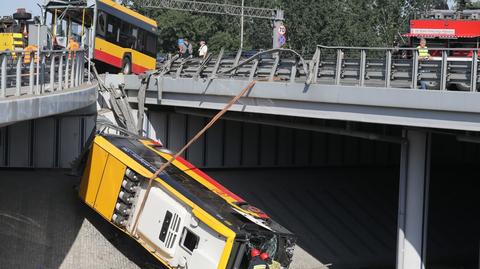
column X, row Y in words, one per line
column 130, row 12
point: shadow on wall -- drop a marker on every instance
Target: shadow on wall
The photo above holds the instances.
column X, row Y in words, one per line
column 344, row 216
column 45, row 225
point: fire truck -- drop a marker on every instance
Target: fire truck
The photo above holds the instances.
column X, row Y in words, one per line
column 448, row 29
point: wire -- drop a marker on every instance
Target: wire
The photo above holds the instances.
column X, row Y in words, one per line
column 180, row 152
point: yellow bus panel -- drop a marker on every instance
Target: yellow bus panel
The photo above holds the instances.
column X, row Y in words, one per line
column 94, row 172
column 109, row 187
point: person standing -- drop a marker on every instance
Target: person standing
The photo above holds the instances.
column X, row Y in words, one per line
column 203, row 50
column 423, row 56
column 189, row 48
column 181, row 47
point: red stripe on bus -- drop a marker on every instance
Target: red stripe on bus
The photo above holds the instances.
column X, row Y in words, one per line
column 108, row 58
column 209, row 179
column 137, row 69
column 117, row 62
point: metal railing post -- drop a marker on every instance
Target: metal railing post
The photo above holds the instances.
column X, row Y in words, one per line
column 52, row 72
column 72, row 72
column 443, row 71
column 338, row 67
column 77, row 69
column 3, row 88
column 60, row 72
column 363, row 67
column 67, row 70
column 388, row 68
column 41, row 74
column 293, row 72
column 31, row 75
column 274, row 67
column 415, row 69
column 474, row 71
column 18, row 80
column 38, row 88
column 82, row 67
column 317, row 65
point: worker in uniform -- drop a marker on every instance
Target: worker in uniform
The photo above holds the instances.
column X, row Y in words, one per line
column 423, row 56
column 72, row 46
column 258, row 260
column 28, row 54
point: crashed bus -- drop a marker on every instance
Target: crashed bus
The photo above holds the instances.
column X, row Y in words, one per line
column 186, row 219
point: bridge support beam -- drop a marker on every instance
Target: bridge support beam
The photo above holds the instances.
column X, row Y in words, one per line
column 413, row 200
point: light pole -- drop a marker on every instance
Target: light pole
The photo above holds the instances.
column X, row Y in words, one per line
column 241, row 26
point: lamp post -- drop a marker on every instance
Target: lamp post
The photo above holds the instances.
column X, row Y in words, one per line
column 241, row 26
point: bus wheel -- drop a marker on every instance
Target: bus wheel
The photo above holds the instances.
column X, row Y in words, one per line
column 127, row 66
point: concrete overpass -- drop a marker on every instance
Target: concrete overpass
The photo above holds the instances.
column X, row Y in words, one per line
column 339, row 91
column 311, row 119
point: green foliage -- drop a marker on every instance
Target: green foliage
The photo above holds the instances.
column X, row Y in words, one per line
column 308, row 22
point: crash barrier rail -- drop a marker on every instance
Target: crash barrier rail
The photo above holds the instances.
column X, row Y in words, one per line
column 38, row 72
column 352, row 66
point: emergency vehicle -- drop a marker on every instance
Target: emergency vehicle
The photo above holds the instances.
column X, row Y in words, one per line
column 186, row 219
column 448, row 29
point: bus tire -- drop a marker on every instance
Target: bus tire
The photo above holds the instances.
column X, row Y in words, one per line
column 126, row 66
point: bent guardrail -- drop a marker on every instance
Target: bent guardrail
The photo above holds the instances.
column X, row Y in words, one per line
column 349, row 66
column 34, row 73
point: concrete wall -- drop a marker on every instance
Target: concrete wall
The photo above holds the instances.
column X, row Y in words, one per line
column 232, row 144
column 52, row 142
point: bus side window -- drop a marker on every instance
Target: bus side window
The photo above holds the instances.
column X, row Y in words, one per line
column 135, row 37
column 126, row 39
column 151, row 45
column 112, row 29
column 102, row 22
column 141, row 41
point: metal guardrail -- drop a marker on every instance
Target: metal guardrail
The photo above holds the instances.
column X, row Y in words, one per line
column 352, row 66
column 34, row 73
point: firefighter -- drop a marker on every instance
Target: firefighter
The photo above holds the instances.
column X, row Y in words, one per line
column 258, row 260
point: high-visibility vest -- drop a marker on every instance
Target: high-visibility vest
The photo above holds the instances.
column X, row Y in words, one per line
column 73, row 45
column 423, row 52
column 28, row 51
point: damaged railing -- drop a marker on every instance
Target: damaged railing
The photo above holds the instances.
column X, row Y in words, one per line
column 34, row 73
column 349, row 66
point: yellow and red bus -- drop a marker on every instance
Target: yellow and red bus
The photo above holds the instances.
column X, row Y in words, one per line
column 116, row 36
column 124, row 38
column 186, row 220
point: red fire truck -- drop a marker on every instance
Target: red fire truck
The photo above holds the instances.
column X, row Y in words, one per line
column 447, row 29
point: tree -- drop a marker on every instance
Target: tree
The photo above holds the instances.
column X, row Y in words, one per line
column 308, row 22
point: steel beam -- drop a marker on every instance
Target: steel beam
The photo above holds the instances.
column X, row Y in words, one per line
column 413, row 200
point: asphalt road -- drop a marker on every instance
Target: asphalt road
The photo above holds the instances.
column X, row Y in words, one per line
column 342, row 216
column 45, row 225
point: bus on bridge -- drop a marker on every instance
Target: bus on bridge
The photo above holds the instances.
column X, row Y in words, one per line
column 120, row 38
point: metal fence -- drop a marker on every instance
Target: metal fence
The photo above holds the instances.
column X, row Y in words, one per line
column 352, row 66
column 396, row 67
column 34, row 73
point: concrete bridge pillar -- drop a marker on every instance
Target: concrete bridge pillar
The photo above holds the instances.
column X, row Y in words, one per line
column 413, row 200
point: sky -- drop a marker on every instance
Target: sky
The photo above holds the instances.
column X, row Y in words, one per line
column 9, row 7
